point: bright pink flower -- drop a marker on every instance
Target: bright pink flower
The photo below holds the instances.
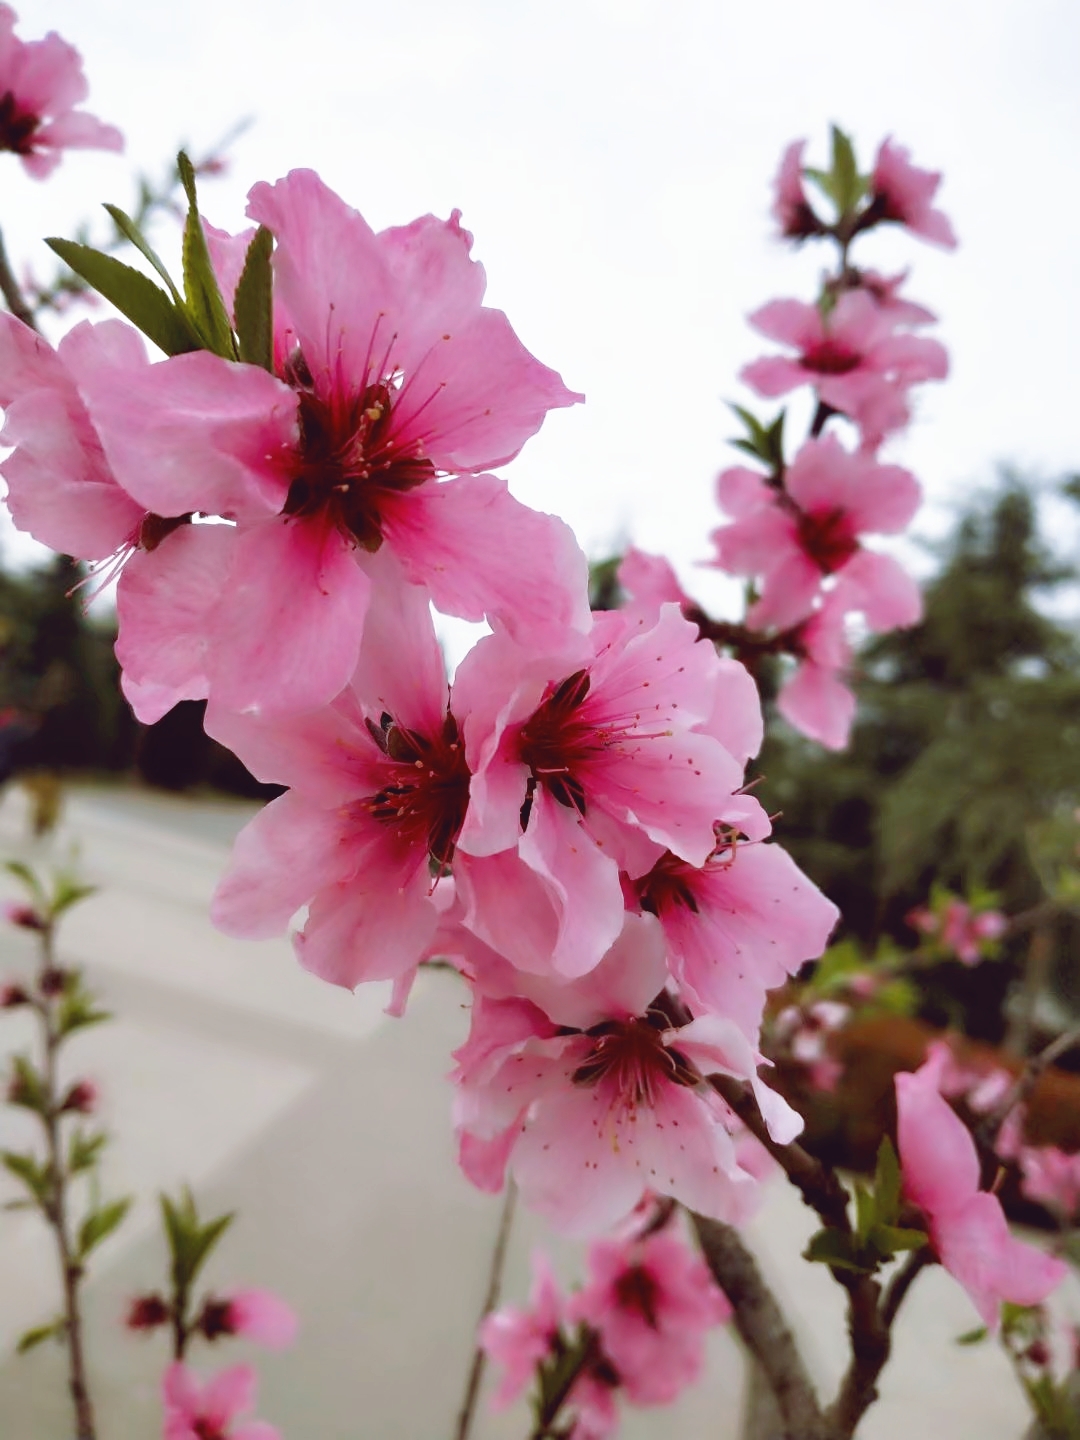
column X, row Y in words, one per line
column 396, row 388
column 380, row 790
column 903, row 193
column 257, row 1315
column 855, row 358
column 794, row 539
column 651, row 1302
column 41, row 82
column 967, row 1226
column 591, row 1116
column 791, row 209
column 815, row 699
column 586, row 760
column 519, row 1338
column 737, row 926
column 194, row 1411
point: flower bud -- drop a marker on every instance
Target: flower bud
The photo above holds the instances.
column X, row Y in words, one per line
column 81, row 1099
column 12, row 996
column 22, row 915
column 147, row 1312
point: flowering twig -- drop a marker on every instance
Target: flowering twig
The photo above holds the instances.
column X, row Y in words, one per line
column 491, row 1299
column 12, row 293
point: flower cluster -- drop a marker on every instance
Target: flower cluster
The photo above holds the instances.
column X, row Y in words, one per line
column 953, row 928
column 636, row 1332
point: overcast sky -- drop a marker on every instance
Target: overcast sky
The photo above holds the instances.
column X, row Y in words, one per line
column 614, row 159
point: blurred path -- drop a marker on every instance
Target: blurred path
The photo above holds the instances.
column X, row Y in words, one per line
column 327, row 1126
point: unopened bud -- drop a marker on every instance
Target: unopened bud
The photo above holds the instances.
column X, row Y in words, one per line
column 53, row 981
column 147, row 1312
column 81, row 1099
column 12, row 996
column 25, row 916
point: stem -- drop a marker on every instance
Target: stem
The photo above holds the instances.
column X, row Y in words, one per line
column 56, row 1212
column 491, row 1299
column 11, row 291
column 549, row 1410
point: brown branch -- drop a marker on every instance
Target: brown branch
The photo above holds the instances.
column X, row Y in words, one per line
column 762, row 1329
column 11, row 291
column 818, row 1186
column 1025, row 1083
column 491, row 1299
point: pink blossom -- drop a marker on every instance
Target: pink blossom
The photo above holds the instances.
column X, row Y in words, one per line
column 795, row 538
column 792, row 211
column 651, row 1301
column 22, row 916
column 257, row 1315
column 518, row 1338
column 903, row 193
column 81, row 1099
column 885, row 290
column 396, row 388
column 194, row 1411
column 591, row 1116
column 854, row 357
column 41, row 83
column 380, row 790
column 585, row 760
column 1051, row 1177
column 815, row 699
column 955, row 928
column 967, row 1226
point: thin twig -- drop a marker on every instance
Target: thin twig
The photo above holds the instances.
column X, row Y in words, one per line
column 12, row 292
column 491, row 1299
column 1025, row 1083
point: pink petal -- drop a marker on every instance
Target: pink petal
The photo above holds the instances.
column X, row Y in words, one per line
column 817, row 703
column 882, row 589
column 229, row 1393
column 375, row 927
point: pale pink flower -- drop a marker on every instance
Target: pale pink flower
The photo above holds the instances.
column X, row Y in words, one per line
column 958, row 930
column 396, row 388
column 519, row 1338
column 967, row 1226
column 589, row 1117
column 588, row 760
column 903, row 193
column 885, row 290
column 791, row 209
column 380, row 790
column 257, row 1315
column 1051, row 1177
column 855, row 358
column 815, row 698
column 794, row 539
column 214, row 1411
column 651, row 1301
column 41, row 83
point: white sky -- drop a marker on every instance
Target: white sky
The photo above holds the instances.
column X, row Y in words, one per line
column 614, row 159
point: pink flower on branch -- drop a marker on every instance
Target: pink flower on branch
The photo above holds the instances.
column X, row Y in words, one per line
column 903, row 193
column 792, row 210
column 256, row 1315
column 520, row 1338
column 213, row 1411
column 968, row 1230
column 41, row 83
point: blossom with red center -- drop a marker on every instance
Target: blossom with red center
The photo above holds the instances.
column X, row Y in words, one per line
column 214, row 1411
column 395, row 388
column 41, row 83
column 586, row 760
column 940, row 1170
column 651, row 1301
column 903, row 193
column 520, row 1338
column 793, row 540
column 257, row 1315
column 792, row 210
column 854, row 356
column 590, row 1116
column 379, row 793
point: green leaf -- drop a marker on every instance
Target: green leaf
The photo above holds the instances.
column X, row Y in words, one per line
column 972, row 1337
column 887, row 1183
column 68, row 892
column 30, row 1338
column 145, row 304
column 848, row 186
column 190, row 1242
column 29, row 879
column 25, row 1168
column 84, row 1150
column 128, row 228
column 834, row 1248
column 202, row 297
column 888, row 1239
column 77, row 1012
column 254, row 303
column 101, row 1223
column 27, row 1088
column 207, row 1238
column 865, row 1211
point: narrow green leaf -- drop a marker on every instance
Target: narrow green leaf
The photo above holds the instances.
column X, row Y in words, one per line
column 68, row 892
column 207, row 1237
column 37, row 1336
column 134, row 295
column 887, row 1183
column 254, row 303
column 29, row 879
column 131, row 231
column 84, row 1150
column 848, row 188
column 27, row 1088
column 865, row 1211
column 25, row 1168
column 890, row 1238
column 747, row 447
column 972, row 1337
column 202, row 296
column 101, row 1223
column 78, row 1013
column 832, row 1247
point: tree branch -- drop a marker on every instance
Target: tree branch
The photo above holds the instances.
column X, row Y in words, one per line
column 9, row 288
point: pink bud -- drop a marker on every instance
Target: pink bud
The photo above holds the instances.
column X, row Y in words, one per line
column 12, row 996
column 81, row 1099
column 147, row 1312
column 24, row 916
column 258, row 1315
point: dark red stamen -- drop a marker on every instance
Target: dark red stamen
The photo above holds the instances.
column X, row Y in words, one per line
column 17, row 128
column 554, row 743
column 828, row 537
column 428, row 793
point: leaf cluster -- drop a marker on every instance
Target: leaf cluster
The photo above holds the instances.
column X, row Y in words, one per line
column 877, row 1236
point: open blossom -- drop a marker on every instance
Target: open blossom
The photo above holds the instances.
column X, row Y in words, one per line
column 795, row 539
column 940, row 1169
column 590, row 1107
column 903, row 193
column 257, row 1315
column 41, row 83
column 956, row 928
column 213, row 1411
column 1051, row 1177
column 651, row 1301
column 519, row 1338
column 395, row 390
column 592, row 758
column 854, row 356
column 815, row 698
column 791, row 208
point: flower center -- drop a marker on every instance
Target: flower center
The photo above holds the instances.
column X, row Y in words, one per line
column 428, row 793
column 830, row 357
column 347, row 462
column 828, row 537
column 16, row 127
column 666, row 885
column 631, row 1057
column 554, row 743
column 206, row 1429
column 637, row 1291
